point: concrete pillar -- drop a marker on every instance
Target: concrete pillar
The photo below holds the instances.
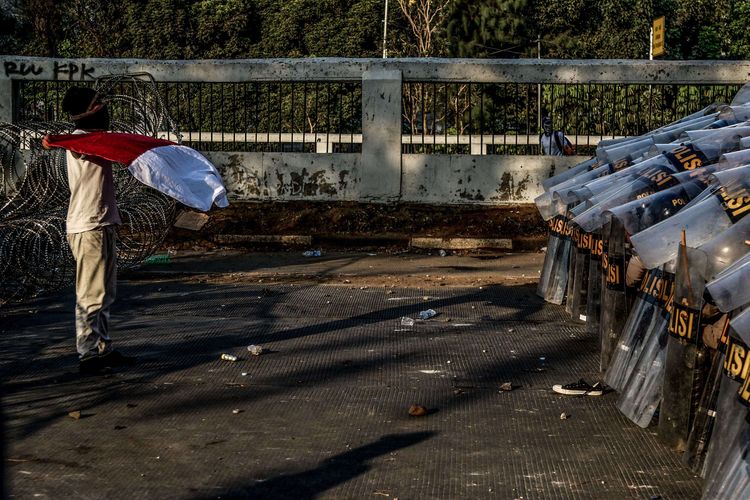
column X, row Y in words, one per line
column 6, row 100
column 381, row 136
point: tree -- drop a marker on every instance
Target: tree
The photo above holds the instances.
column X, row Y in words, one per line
column 489, row 28
column 425, row 19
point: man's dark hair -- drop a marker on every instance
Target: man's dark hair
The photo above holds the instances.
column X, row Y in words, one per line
column 78, row 103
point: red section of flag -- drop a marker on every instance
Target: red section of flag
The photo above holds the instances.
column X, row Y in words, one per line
column 112, row 146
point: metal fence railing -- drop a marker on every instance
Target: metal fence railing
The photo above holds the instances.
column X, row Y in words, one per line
column 305, row 117
column 459, row 107
column 504, row 118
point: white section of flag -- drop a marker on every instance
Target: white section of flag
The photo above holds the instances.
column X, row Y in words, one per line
column 183, row 174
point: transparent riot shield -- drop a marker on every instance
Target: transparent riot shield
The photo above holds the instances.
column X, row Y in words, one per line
column 571, row 271
column 742, row 325
column 685, row 361
column 701, row 221
column 602, row 184
column 550, row 203
column 579, row 292
column 569, row 174
column 727, row 247
column 733, row 179
column 734, row 472
column 726, row 468
column 648, row 182
column 729, row 289
column 647, row 317
column 554, row 239
column 719, row 124
column 742, row 97
column 631, row 149
column 642, row 213
column 735, row 158
column 556, row 261
column 594, row 293
column 641, row 395
column 686, row 157
column 614, row 298
column 728, row 418
column 711, row 145
column 676, row 131
column 705, row 415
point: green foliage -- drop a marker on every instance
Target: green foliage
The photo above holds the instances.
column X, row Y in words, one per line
column 737, row 34
column 492, row 28
column 191, row 29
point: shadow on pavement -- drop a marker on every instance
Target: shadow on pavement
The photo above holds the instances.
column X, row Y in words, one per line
column 330, row 473
column 53, row 386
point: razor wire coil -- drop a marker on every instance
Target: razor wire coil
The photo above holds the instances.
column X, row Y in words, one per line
column 34, row 255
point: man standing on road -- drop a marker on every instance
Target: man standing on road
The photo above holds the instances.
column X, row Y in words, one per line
column 90, row 225
column 554, row 142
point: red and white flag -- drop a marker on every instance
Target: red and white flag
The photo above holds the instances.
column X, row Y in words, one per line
column 175, row 170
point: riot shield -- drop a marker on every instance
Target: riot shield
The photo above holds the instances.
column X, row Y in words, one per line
column 714, row 213
column 685, row 360
column 735, row 158
column 631, row 149
column 675, row 132
column 742, row 97
column 726, row 470
column 556, row 261
column 620, row 174
column 711, row 145
column 733, row 179
column 594, row 293
column 648, row 182
column 684, row 375
column 686, row 157
column 728, row 417
column 571, row 271
column 614, row 298
column 554, row 239
column 727, row 247
column 550, row 203
column 579, row 291
column 735, row 470
column 742, row 325
column 641, row 395
column 647, row 317
column 569, row 174
column 729, row 290
column 705, row 415
column 642, row 213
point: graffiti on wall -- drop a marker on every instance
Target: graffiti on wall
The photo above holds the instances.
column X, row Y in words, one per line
column 58, row 70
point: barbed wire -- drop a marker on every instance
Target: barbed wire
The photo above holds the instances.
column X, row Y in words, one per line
column 34, row 193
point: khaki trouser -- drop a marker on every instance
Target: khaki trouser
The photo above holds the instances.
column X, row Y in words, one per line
column 635, row 272
column 96, row 282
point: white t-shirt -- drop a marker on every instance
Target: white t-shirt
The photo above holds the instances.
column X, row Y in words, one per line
column 92, row 193
column 549, row 145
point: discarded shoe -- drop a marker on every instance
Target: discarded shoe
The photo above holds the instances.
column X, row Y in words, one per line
column 580, row 388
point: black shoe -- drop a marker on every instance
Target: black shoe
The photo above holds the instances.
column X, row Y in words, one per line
column 580, row 388
column 91, row 365
column 115, row 359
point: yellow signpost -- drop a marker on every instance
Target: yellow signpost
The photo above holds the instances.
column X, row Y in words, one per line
column 657, row 37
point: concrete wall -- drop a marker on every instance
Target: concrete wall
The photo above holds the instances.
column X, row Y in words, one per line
column 413, row 69
column 380, row 173
column 483, row 180
column 440, row 179
column 290, row 176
